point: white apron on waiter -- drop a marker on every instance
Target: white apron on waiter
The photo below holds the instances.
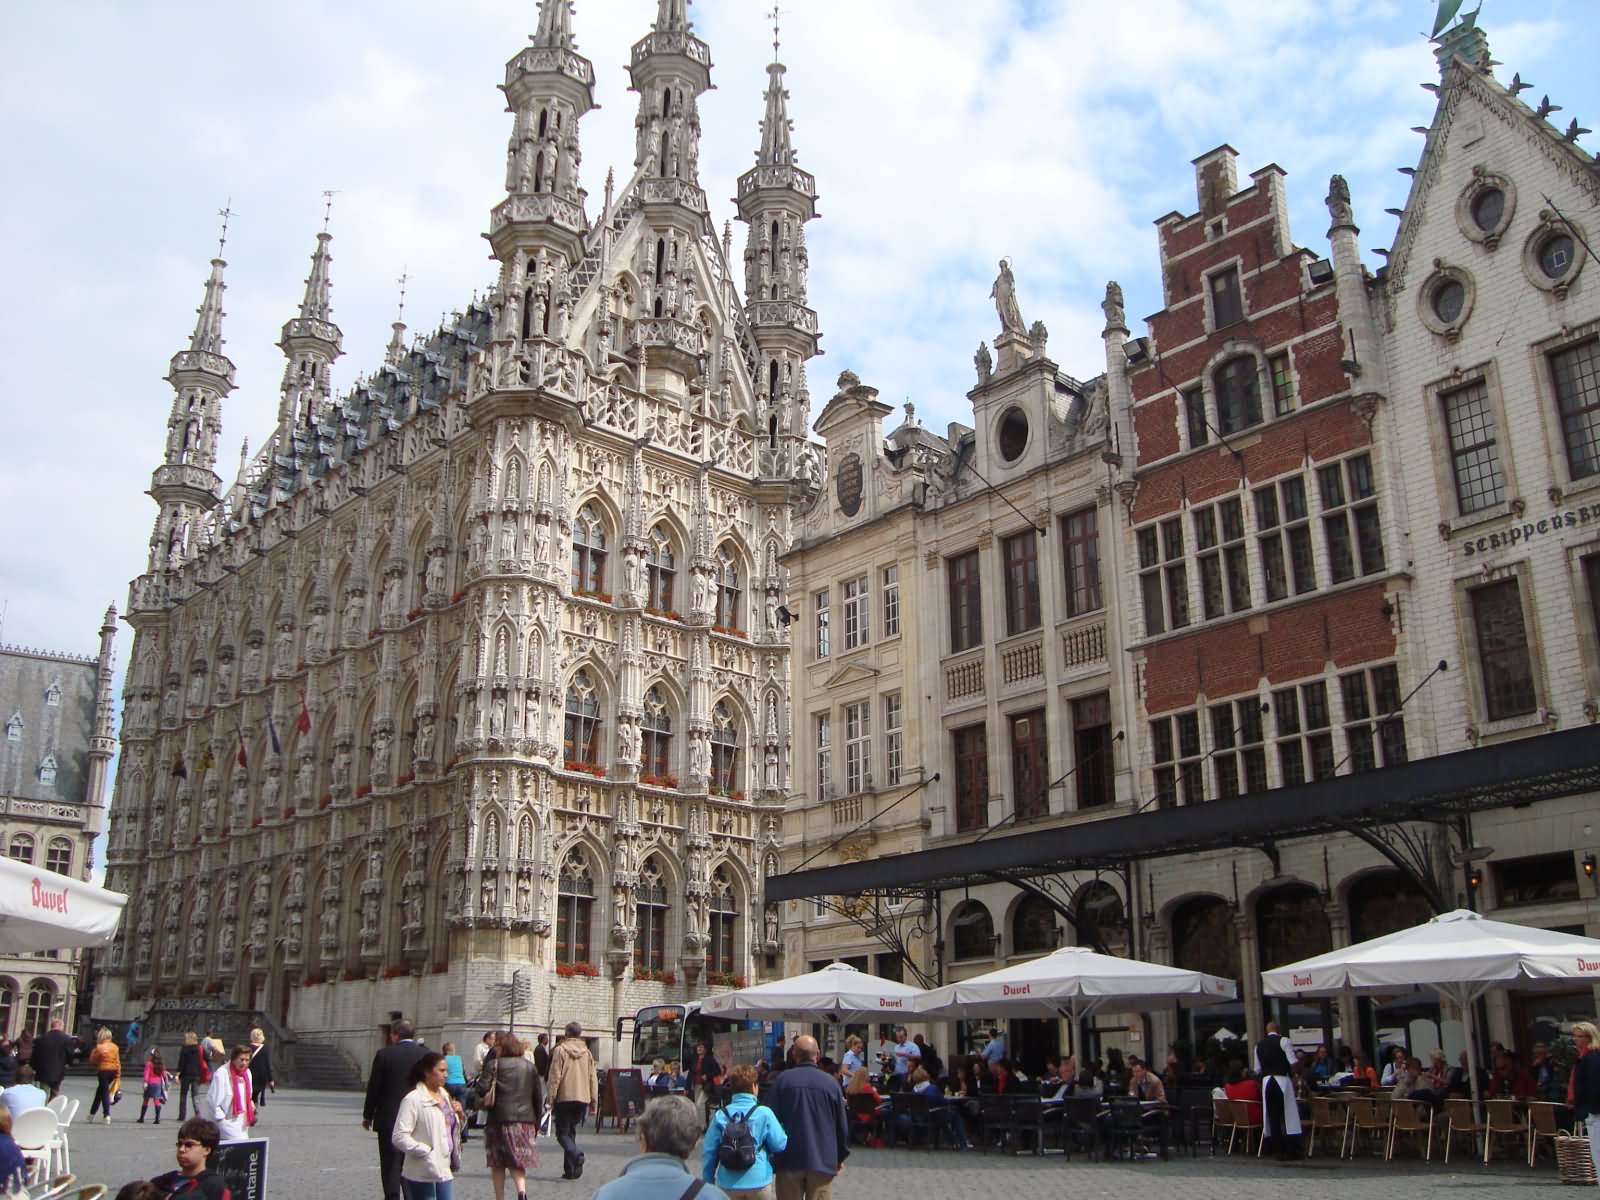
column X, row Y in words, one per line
column 1273, row 1065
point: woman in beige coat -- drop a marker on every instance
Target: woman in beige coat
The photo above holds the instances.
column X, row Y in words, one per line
column 426, row 1131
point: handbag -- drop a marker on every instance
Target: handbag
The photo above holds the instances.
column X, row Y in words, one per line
column 487, row 1095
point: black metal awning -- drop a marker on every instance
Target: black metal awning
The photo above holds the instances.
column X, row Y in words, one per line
column 1443, row 787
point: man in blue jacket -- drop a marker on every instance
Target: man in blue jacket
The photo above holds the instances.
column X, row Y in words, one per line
column 810, row 1106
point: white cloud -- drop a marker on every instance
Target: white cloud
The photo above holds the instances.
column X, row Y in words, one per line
column 944, row 133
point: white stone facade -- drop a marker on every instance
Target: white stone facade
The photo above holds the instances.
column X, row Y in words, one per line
column 476, row 670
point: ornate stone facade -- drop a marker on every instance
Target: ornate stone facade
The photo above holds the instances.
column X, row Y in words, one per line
column 468, row 653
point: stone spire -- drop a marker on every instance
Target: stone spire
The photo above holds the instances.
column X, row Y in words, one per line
column 672, row 16
column 185, row 484
column 311, row 342
column 670, row 68
column 555, row 24
column 776, row 198
column 103, row 739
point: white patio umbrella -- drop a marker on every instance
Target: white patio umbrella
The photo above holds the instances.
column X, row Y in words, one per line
column 836, row 993
column 1075, row 982
column 1458, row 955
column 44, row 910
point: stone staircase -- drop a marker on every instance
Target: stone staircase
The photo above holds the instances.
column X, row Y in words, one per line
column 323, row 1066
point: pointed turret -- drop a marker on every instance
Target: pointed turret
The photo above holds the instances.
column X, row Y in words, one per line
column 549, row 87
column 776, row 198
column 311, row 342
column 185, row 484
column 103, row 738
column 672, row 16
column 670, row 68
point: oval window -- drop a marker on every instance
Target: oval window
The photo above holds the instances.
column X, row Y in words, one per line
column 1013, row 434
column 1449, row 299
column 1555, row 255
column 1488, row 207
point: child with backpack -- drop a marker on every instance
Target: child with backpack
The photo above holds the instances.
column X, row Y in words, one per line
column 155, row 1085
column 739, row 1140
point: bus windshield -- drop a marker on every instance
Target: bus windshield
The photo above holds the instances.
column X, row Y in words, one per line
column 658, row 1033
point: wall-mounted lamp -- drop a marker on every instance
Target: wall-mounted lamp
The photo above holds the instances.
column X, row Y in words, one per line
column 1474, row 877
column 1320, row 272
column 1137, row 350
column 1588, row 865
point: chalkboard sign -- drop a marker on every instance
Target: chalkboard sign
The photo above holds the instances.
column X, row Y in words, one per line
column 625, row 1089
column 243, row 1165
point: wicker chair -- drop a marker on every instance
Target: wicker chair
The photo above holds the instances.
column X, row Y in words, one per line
column 1327, row 1114
column 1503, row 1122
column 1365, row 1118
column 1460, row 1119
column 1406, row 1119
column 1222, row 1119
column 1246, row 1120
column 1542, row 1124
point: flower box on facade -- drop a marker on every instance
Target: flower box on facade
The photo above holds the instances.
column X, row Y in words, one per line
column 363, row 791
column 394, row 972
column 724, row 979
column 577, row 970
column 408, row 777
column 660, row 781
column 439, row 968
column 649, row 975
column 455, row 597
column 585, row 594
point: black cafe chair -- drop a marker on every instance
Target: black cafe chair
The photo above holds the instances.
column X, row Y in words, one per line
column 994, row 1122
column 910, row 1114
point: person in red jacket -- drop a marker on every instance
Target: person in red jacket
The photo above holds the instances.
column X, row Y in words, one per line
column 1511, row 1078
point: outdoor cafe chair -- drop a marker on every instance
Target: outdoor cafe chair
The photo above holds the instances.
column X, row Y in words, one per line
column 1194, row 1117
column 1222, row 1118
column 1405, row 1118
column 1542, row 1124
column 863, row 1116
column 1327, row 1114
column 1365, row 1118
column 1503, row 1122
column 994, row 1122
column 35, row 1134
column 65, row 1115
column 910, row 1114
column 1027, row 1118
column 1459, row 1120
column 95, row 1191
column 53, row 1189
column 1134, row 1126
column 1080, row 1125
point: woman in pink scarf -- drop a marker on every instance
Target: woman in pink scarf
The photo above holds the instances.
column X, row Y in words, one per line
column 229, row 1097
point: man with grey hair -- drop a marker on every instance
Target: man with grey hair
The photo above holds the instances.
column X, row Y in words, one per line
column 810, row 1107
column 668, row 1130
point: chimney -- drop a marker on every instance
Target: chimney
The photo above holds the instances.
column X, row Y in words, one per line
column 1465, row 41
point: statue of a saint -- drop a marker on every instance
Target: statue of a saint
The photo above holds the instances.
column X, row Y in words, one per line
column 1004, row 294
column 1338, row 201
column 1116, row 315
column 984, row 361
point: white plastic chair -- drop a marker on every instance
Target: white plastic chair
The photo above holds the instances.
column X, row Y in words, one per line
column 64, row 1118
column 59, row 1104
column 35, row 1133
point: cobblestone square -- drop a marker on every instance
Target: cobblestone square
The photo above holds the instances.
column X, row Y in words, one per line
column 319, row 1151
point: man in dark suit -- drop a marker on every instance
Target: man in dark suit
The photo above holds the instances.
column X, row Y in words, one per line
column 52, row 1051
column 387, row 1085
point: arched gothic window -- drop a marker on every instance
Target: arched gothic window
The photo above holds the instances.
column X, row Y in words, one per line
column 724, row 918
column 41, row 999
column 650, row 919
column 21, row 848
column 1238, row 394
column 1102, row 919
column 8, row 1001
column 972, row 930
column 656, row 736
column 660, row 570
column 588, row 552
column 574, row 909
column 729, row 592
column 583, row 722
column 58, row 858
column 724, row 750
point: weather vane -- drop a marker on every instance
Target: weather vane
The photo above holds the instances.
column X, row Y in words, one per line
column 775, row 14
column 327, row 208
column 224, row 212
column 404, row 275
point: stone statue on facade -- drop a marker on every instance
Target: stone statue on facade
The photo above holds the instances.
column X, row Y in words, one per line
column 1004, row 295
column 1116, row 315
column 1338, row 201
column 984, row 361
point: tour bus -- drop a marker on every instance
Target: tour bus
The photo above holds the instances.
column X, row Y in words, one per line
column 669, row 1031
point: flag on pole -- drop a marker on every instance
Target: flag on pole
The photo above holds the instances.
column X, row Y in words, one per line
column 180, row 770
column 272, row 732
column 302, row 723
column 244, row 759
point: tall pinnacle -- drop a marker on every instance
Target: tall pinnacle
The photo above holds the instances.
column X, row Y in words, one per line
column 776, row 149
column 207, row 337
column 316, row 306
column 672, row 16
column 555, row 24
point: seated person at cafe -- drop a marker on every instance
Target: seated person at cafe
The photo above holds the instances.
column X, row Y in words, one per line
column 1365, row 1075
column 1322, row 1065
column 1142, row 1085
column 931, row 1062
column 1060, row 1087
column 1511, row 1078
column 1459, row 1083
column 1244, row 1087
column 1088, row 1085
column 1546, row 1075
column 941, row 1112
column 1396, row 1059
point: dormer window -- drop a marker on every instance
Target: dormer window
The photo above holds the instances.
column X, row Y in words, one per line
column 1227, row 301
column 52, row 695
column 47, row 769
column 14, row 728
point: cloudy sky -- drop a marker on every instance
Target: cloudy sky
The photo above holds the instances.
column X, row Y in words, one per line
column 943, row 133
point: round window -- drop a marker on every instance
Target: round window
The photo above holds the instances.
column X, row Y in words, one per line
column 1013, row 434
column 1488, row 207
column 1449, row 299
column 1555, row 255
